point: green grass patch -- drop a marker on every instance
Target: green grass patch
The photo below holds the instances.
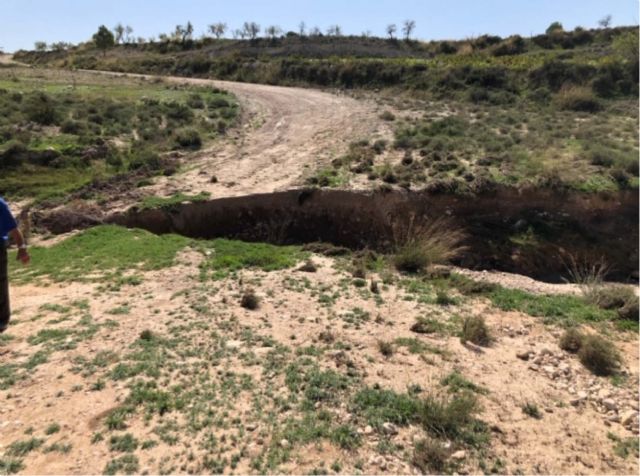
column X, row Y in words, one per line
column 561, row 309
column 172, row 201
column 103, row 251
column 230, row 255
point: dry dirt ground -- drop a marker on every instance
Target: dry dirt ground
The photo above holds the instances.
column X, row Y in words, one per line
column 230, row 367
column 228, row 385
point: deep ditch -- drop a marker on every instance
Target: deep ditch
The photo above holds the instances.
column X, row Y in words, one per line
column 532, row 232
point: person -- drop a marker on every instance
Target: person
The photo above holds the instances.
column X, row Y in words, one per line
column 8, row 228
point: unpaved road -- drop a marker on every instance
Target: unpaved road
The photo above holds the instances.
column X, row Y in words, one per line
column 285, row 134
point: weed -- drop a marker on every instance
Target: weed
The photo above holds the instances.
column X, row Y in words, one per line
column 11, row 465
column 599, row 355
column 346, row 437
column 531, row 409
column 430, row 456
column 123, row 443
column 127, row 464
column 571, row 340
column 385, row 348
column 51, row 429
column 475, row 330
column 624, row 447
column 424, row 325
column 456, row 383
column 21, row 448
column 422, row 245
column 379, row 406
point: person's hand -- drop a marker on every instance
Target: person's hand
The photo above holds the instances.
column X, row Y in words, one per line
column 23, row 256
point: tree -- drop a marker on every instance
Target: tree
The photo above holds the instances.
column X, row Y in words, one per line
column 555, row 27
column 60, row 46
column 128, row 33
column 605, row 21
column 301, row 28
column 40, row 46
column 391, row 30
column 334, row 30
column 118, row 32
column 272, row 31
column 218, row 29
column 103, row 39
column 315, row 31
column 407, row 28
column 251, row 29
column 183, row 33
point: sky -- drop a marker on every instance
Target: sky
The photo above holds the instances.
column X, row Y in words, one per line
column 22, row 22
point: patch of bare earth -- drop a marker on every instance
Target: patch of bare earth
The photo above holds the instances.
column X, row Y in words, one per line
column 228, row 365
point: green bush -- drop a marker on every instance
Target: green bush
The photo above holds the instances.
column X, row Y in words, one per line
column 188, row 138
column 40, row 108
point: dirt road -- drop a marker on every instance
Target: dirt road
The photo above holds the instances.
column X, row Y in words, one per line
column 285, row 135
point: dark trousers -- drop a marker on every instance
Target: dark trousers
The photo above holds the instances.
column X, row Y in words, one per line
column 5, row 310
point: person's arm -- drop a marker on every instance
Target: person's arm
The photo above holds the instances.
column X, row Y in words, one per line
column 23, row 254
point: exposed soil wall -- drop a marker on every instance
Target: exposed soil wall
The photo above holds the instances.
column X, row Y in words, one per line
column 531, row 232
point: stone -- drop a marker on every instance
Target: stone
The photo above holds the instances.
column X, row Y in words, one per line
column 458, row 455
column 524, row 355
column 389, row 429
column 533, row 367
column 368, row 430
column 610, row 404
column 627, row 417
column 613, row 418
column 251, row 426
column 284, row 443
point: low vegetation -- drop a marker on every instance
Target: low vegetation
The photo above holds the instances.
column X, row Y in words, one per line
column 59, row 132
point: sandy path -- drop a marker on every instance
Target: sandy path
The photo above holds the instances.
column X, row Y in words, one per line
column 285, row 135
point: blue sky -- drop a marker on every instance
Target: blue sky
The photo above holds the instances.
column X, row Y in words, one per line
column 26, row 21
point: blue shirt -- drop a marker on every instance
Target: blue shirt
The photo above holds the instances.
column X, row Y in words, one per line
column 7, row 222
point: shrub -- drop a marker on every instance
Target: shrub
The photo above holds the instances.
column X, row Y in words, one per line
column 531, row 409
column 386, row 348
column 249, row 300
column 387, row 116
column 599, row 355
column 612, row 297
column 144, row 158
column 40, row 108
column 430, row 456
column 448, row 417
column 571, row 340
column 576, row 98
column 420, row 246
column 424, row 325
column 188, row 138
column 195, row 101
column 475, row 330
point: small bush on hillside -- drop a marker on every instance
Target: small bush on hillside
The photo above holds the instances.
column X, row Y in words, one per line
column 571, row 340
column 612, row 297
column 188, row 138
column 41, row 108
column 386, row 348
column 144, row 158
column 599, row 355
column 448, row 417
column 420, row 246
column 387, row 116
column 430, row 456
column 577, row 99
column 475, row 330
column 195, row 101
column 249, row 300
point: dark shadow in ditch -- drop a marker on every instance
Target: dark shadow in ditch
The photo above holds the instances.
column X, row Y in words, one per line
column 531, row 232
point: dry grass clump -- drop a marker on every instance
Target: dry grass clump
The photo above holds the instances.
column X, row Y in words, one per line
column 599, row 355
column 575, row 98
column 571, row 340
column 475, row 330
column 422, row 245
column 386, row 348
column 430, row 456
